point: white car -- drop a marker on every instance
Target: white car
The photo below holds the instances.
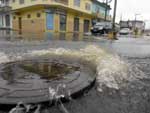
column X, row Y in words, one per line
column 125, row 31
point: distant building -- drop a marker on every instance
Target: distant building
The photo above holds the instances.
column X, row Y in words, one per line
column 132, row 24
column 147, row 24
column 124, row 24
column 98, row 11
column 5, row 15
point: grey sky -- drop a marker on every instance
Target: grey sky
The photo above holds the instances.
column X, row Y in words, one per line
column 128, row 9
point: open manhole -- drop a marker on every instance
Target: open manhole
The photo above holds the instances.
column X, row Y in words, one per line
column 42, row 80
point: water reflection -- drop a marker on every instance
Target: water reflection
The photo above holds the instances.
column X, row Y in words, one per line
column 62, row 36
column 75, row 37
column 8, row 74
column 18, row 35
column 28, row 69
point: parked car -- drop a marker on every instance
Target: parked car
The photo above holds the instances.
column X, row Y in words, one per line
column 101, row 27
column 125, row 31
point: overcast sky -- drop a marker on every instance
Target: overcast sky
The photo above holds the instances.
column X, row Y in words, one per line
column 128, row 8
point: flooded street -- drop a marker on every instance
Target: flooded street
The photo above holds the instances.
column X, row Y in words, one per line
column 123, row 81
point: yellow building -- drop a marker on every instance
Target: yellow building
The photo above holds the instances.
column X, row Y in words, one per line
column 52, row 15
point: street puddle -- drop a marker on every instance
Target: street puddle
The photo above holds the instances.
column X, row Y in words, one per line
column 45, row 70
column 48, row 70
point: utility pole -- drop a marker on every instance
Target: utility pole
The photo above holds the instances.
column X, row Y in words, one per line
column 114, row 20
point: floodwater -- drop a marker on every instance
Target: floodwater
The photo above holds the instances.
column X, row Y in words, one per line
column 45, row 69
column 123, row 81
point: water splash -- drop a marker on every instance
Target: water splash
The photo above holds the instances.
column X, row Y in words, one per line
column 112, row 72
column 26, row 108
column 4, row 58
column 20, row 108
column 54, row 94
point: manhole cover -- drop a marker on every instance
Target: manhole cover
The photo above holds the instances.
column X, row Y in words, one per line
column 33, row 81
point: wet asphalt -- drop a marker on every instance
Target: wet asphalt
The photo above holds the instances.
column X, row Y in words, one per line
column 134, row 98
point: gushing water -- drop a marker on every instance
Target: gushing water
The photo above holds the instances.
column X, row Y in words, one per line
column 112, row 72
column 54, row 94
column 4, row 58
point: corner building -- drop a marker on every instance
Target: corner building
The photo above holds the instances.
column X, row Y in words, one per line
column 51, row 15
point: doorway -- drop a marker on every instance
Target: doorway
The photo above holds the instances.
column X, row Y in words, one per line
column 86, row 25
column 76, row 24
column 20, row 25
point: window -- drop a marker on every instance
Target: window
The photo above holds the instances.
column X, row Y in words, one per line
column 21, row 1
column 77, row 3
column 88, row 6
column 28, row 16
column 38, row 15
column 86, row 25
column 63, row 22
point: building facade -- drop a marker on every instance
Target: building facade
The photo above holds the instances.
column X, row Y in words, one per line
column 98, row 11
column 137, row 26
column 52, row 15
column 5, row 15
column 132, row 24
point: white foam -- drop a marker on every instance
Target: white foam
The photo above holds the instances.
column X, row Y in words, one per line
column 4, row 58
column 112, row 72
